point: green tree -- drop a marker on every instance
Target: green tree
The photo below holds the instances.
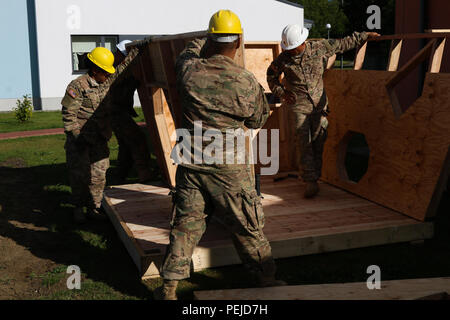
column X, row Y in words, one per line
column 323, row 12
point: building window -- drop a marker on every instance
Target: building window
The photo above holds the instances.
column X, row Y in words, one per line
column 82, row 45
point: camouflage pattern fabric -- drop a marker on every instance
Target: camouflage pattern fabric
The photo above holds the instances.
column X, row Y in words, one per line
column 86, row 119
column 219, row 93
column 85, row 109
column 231, row 199
column 303, row 76
column 87, row 172
column 311, row 135
column 223, row 96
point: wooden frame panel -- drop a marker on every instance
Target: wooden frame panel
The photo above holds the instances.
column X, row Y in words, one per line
column 336, row 220
column 407, row 154
column 409, row 289
column 423, row 113
column 162, row 108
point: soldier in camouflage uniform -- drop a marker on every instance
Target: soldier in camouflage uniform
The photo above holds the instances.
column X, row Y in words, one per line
column 215, row 90
column 303, row 64
column 132, row 141
column 87, row 128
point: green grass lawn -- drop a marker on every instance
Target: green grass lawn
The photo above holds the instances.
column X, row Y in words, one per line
column 35, row 214
column 40, row 120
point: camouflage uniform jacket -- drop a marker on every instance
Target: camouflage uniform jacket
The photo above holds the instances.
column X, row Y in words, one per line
column 84, row 110
column 219, row 93
column 303, row 74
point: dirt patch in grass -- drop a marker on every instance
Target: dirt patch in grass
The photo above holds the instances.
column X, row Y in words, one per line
column 38, row 239
column 17, row 269
column 14, row 163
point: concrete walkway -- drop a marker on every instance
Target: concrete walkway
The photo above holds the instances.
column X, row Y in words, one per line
column 37, row 133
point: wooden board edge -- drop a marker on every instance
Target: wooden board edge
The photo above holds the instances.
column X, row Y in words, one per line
column 349, row 290
column 439, row 188
column 125, row 234
column 204, row 258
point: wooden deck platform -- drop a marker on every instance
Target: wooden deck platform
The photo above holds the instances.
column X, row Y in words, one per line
column 410, row 289
column 335, row 220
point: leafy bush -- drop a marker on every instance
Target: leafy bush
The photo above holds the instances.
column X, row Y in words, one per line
column 24, row 109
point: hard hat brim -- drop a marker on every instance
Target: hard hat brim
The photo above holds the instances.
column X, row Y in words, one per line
column 305, row 34
column 107, row 69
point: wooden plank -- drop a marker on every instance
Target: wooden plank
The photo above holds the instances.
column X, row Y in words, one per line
column 435, row 66
column 394, row 55
column 331, row 61
column 412, row 36
column 165, row 144
column 258, row 57
column 360, row 56
column 411, row 65
column 437, row 30
column 163, row 111
column 440, row 187
column 150, row 107
column 410, row 289
column 335, row 220
column 188, row 36
column 169, row 68
column 407, row 154
column 124, row 233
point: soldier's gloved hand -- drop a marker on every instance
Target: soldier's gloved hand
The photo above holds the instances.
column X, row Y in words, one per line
column 79, row 140
column 75, row 134
column 372, row 35
column 288, row 97
column 139, row 45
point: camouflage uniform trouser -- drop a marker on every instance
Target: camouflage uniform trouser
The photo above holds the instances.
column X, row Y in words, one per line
column 132, row 145
column 87, row 166
column 231, row 199
column 311, row 135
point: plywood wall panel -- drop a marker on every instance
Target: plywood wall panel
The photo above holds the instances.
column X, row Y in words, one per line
column 407, row 154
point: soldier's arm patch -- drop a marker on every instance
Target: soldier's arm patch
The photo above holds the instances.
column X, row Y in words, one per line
column 71, row 93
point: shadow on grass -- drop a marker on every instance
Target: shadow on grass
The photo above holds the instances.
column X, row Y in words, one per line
column 40, row 196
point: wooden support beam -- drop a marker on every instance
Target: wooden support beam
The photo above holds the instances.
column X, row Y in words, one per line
column 412, row 36
column 360, row 56
column 335, row 220
column 437, row 30
column 435, row 66
column 411, row 65
column 408, row 289
column 331, row 61
column 394, row 55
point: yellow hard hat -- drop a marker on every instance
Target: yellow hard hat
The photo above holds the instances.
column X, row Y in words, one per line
column 103, row 58
column 225, row 21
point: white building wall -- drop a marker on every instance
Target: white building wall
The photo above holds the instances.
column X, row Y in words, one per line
column 57, row 20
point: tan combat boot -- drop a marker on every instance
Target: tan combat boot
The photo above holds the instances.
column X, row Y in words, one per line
column 96, row 214
column 312, row 189
column 167, row 291
column 78, row 215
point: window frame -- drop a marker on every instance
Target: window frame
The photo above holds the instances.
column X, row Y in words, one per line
column 102, row 44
